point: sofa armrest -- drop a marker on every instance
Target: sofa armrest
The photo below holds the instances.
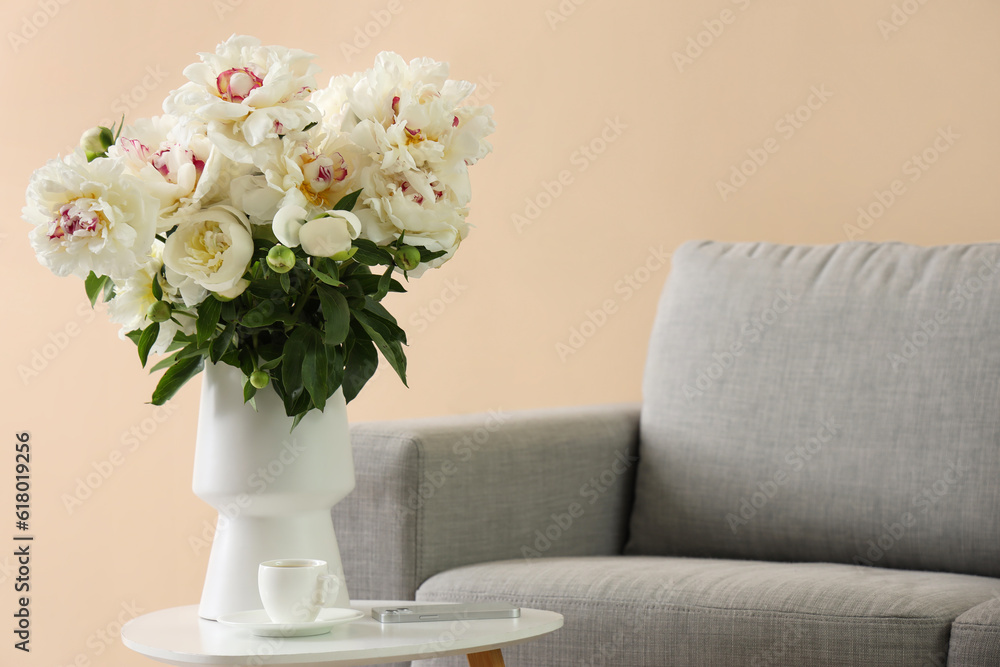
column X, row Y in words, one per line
column 975, row 635
column 434, row 494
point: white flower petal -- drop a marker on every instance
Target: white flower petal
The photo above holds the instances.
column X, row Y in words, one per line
column 211, row 249
column 288, row 223
column 326, row 237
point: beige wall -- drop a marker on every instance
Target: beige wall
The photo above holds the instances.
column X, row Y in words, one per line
column 485, row 329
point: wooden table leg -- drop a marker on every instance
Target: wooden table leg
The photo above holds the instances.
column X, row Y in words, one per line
column 492, row 658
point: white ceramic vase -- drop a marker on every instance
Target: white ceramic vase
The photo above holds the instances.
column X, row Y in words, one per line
column 273, row 488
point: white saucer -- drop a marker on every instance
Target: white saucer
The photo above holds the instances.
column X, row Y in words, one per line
column 260, row 624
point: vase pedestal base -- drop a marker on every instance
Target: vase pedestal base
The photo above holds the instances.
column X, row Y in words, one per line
column 243, row 542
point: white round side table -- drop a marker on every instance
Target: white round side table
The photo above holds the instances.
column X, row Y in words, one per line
column 178, row 636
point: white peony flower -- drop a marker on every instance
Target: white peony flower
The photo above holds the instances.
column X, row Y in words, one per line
column 249, row 96
column 320, row 172
column 182, row 169
column 90, row 217
column 253, row 195
column 393, row 208
column 325, row 236
column 134, row 296
column 209, row 252
column 407, row 118
column 332, row 102
column 464, row 146
column 311, row 175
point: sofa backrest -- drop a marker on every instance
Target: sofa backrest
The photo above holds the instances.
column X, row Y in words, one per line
column 832, row 403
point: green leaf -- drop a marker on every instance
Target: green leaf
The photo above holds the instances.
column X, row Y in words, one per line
column 384, row 282
column 355, row 289
column 268, row 365
column 286, row 282
column 314, row 368
column 179, row 341
column 369, row 284
column 221, row 344
column 334, row 369
column 94, row 284
column 175, row 378
column 291, row 366
column 337, row 315
column 157, row 288
column 370, row 254
column 331, row 280
column 267, row 288
column 164, row 363
column 209, row 312
column 248, row 390
column 246, row 360
column 427, row 255
column 386, row 342
column 298, row 403
column 265, row 314
column 362, row 362
column 229, row 311
column 109, row 290
column 190, row 350
column 146, row 341
column 378, row 311
column 347, row 202
column 134, row 335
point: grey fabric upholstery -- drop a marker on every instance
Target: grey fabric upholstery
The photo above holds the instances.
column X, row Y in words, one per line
column 975, row 635
column 645, row 611
column 832, row 403
column 805, row 408
column 433, row 494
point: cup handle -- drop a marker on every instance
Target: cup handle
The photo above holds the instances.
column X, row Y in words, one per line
column 327, row 586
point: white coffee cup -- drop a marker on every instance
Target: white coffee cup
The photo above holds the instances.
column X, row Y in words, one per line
column 294, row 590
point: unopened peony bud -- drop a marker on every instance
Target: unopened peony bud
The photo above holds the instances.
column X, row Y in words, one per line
column 280, row 259
column 407, row 257
column 259, row 379
column 158, row 312
column 96, row 141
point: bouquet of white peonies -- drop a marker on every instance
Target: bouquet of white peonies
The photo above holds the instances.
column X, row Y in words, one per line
column 259, row 222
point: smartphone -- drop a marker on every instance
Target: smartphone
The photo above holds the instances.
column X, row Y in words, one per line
column 445, row 612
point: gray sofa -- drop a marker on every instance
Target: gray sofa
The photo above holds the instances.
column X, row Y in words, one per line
column 812, row 477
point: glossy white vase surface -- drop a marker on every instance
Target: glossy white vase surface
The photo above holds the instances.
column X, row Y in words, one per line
column 273, row 487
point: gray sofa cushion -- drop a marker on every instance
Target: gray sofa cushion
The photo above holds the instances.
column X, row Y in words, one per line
column 975, row 635
column 835, row 403
column 721, row 613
